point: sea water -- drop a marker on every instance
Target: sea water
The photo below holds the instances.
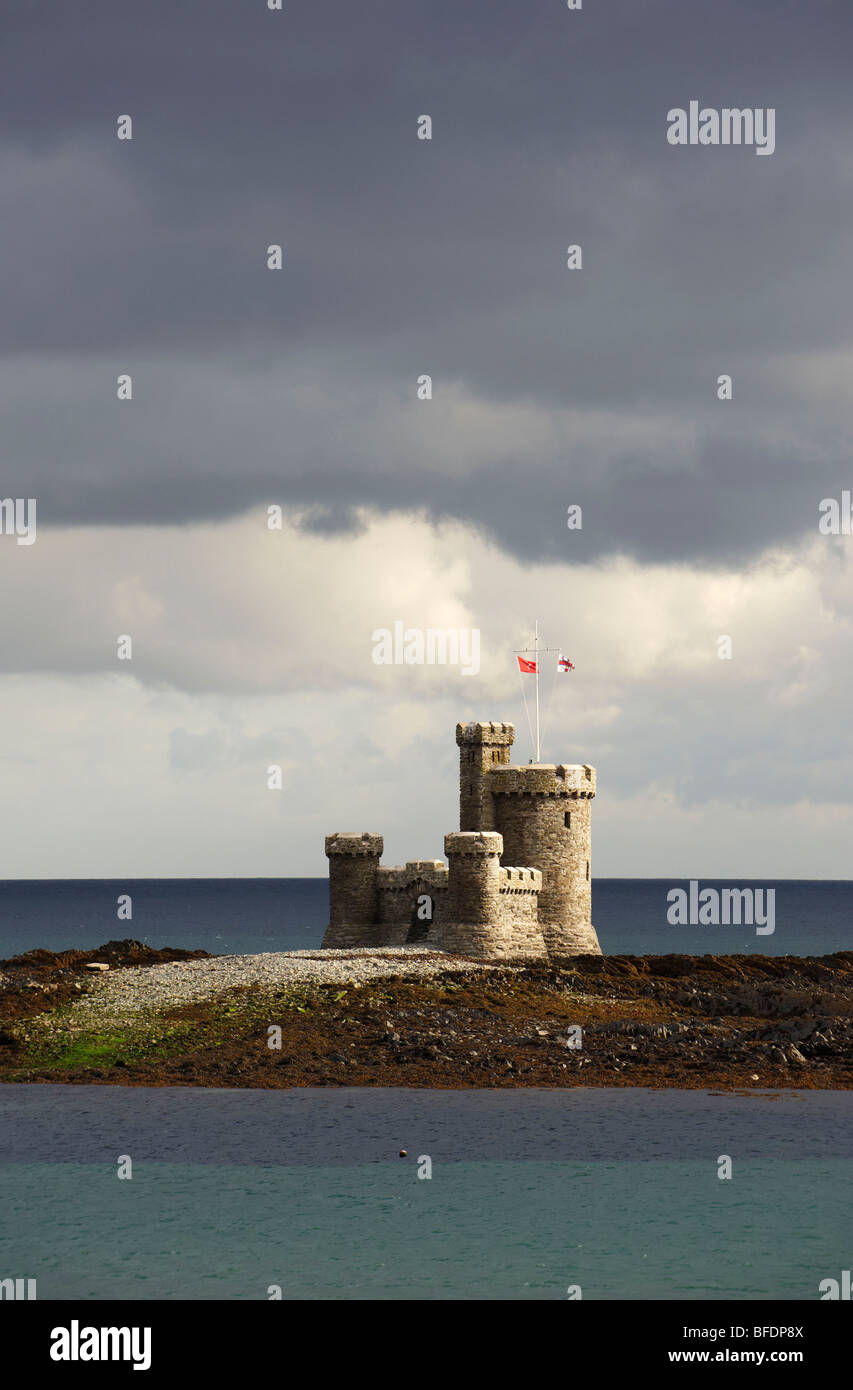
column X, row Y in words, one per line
column 233, row 916
column 242, row 1194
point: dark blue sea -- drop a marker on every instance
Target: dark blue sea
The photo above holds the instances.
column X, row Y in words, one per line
column 229, row 916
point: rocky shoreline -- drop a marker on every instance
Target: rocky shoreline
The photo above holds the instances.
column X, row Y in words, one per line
column 415, row 1017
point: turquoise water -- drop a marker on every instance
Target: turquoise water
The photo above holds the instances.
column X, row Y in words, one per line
column 474, row 1230
column 616, row 1192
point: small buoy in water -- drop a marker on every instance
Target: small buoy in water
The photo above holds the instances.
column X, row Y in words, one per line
column 403, row 1153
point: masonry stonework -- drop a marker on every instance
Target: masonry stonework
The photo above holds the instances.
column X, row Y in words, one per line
column 480, row 903
column 353, row 889
column 482, row 747
column 543, row 814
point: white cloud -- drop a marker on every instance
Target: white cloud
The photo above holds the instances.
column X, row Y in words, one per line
column 253, row 647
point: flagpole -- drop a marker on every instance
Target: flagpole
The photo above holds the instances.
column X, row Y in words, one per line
column 536, row 660
column 529, row 668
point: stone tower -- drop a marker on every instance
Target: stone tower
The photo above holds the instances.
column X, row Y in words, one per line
column 542, row 812
column 481, row 748
column 474, row 906
column 353, row 888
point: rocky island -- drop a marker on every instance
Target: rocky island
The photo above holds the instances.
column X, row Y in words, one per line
column 413, row 1016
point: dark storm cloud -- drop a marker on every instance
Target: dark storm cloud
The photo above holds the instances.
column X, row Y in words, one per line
column 403, row 257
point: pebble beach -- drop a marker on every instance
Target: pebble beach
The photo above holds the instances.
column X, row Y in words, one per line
column 147, row 989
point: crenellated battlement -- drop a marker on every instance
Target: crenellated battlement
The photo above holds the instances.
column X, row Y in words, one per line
column 535, row 816
column 543, row 779
column 520, row 881
column 347, row 842
column 480, row 842
column 399, row 878
column 479, row 733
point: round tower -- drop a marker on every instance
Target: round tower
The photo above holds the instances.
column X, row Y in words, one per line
column 543, row 813
column 353, row 890
column 472, row 921
column 482, row 747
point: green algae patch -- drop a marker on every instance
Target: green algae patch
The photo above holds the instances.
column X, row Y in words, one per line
column 53, row 1042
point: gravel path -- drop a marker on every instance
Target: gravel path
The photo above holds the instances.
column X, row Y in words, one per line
column 145, row 989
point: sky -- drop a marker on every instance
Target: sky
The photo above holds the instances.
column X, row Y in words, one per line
column 255, row 388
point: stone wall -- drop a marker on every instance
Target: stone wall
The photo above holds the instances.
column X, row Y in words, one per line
column 399, row 890
column 519, row 908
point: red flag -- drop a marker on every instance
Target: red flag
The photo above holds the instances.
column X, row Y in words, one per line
column 527, row 668
column 564, row 664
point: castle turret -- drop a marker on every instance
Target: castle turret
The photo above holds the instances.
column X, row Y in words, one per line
column 473, row 915
column 481, row 748
column 542, row 812
column 353, row 891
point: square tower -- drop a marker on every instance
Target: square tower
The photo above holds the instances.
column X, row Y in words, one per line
column 482, row 747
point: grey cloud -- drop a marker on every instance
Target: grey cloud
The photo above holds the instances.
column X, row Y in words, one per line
column 402, row 258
